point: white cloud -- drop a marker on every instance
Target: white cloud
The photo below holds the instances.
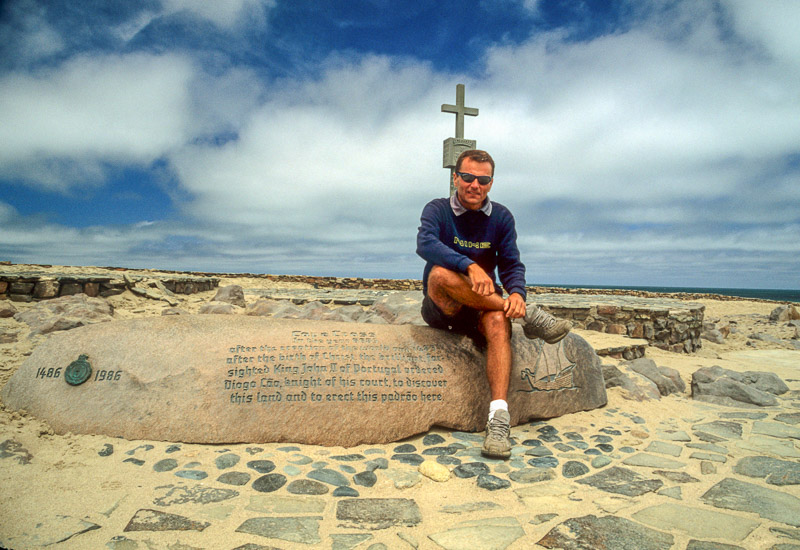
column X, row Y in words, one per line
column 635, row 115
column 223, row 13
column 26, row 35
column 132, row 108
column 774, row 24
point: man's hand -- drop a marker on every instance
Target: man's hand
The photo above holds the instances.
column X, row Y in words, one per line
column 481, row 282
column 514, row 306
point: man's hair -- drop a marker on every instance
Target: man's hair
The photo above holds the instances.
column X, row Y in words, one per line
column 476, row 155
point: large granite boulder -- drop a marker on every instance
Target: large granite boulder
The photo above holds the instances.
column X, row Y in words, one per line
column 65, row 313
column 667, row 380
column 240, row 378
column 727, row 387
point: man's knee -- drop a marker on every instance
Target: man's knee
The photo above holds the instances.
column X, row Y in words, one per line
column 441, row 277
column 495, row 325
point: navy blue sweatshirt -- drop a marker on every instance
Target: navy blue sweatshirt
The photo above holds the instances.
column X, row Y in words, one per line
column 455, row 242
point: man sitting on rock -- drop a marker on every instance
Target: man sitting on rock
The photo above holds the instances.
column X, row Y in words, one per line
column 463, row 240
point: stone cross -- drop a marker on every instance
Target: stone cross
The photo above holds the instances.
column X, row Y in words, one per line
column 453, row 147
column 459, row 110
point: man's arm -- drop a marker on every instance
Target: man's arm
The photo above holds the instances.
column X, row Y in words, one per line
column 430, row 246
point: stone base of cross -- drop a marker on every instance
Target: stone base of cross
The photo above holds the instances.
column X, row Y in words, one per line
column 452, row 148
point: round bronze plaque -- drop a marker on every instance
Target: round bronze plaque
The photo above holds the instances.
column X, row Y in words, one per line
column 78, row 371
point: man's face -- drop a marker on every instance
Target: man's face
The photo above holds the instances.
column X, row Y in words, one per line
column 472, row 195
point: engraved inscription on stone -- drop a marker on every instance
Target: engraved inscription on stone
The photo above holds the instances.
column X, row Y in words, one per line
column 332, row 366
column 553, row 370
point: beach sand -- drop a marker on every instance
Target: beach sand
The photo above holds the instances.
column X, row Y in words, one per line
column 68, row 491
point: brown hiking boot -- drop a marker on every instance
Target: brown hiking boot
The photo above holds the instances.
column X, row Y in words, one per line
column 540, row 324
column 497, row 444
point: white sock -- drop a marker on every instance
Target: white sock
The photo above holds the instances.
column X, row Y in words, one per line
column 497, row 405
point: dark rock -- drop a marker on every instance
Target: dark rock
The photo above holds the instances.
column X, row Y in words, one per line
column 376, row 464
column 377, row 513
column 432, row 439
column 197, row 475
column 544, row 462
column 234, row 478
column 226, row 461
column 405, row 448
column 304, row 530
column 622, row 481
column 676, row 477
column 365, row 479
column 331, row 477
column 13, row 449
column 165, row 465
column 269, row 483
column 345, row 492
column 348, row 458
column 784, row 313
column 574, row 468
column 439, row 451
column 173, row 449
column 649, row 369
column 409, row 458
column 788, row 418
column 531, row 443
column 448, row 460
column 726, row 387
column 492, row 483
column 539, row 451
column 307, row 487
column 261, row 466
column 232, row 294
column 471, row 469
column 636, row 386
column 7, row 309
column 776, row 472
column 107, row 450
column 706, row 545
column 155, row 520
column 733, row 494
column 713, row 335
column 593, row 533
column 136, row 461
column 550, row 438
column 722, row 430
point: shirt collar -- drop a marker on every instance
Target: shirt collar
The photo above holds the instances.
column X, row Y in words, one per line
column 459, row 209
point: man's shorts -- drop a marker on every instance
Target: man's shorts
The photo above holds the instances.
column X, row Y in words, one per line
column 463, row 322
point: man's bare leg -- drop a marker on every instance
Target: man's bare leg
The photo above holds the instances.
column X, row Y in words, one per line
column 496, row 327
column 451, row 291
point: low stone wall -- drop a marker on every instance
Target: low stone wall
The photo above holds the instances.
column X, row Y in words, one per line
column 668, row 324
column 26, row 287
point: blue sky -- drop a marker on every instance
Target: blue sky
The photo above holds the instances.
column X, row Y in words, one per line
column 641, row 142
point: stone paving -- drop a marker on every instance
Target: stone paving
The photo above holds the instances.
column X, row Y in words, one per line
column 680, row 483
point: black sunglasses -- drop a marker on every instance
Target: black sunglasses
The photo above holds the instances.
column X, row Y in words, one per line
column 469, row 178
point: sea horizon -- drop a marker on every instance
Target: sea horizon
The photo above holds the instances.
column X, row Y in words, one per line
column 776, row 294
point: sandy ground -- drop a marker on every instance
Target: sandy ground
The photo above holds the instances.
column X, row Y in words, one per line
column 65, row 481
